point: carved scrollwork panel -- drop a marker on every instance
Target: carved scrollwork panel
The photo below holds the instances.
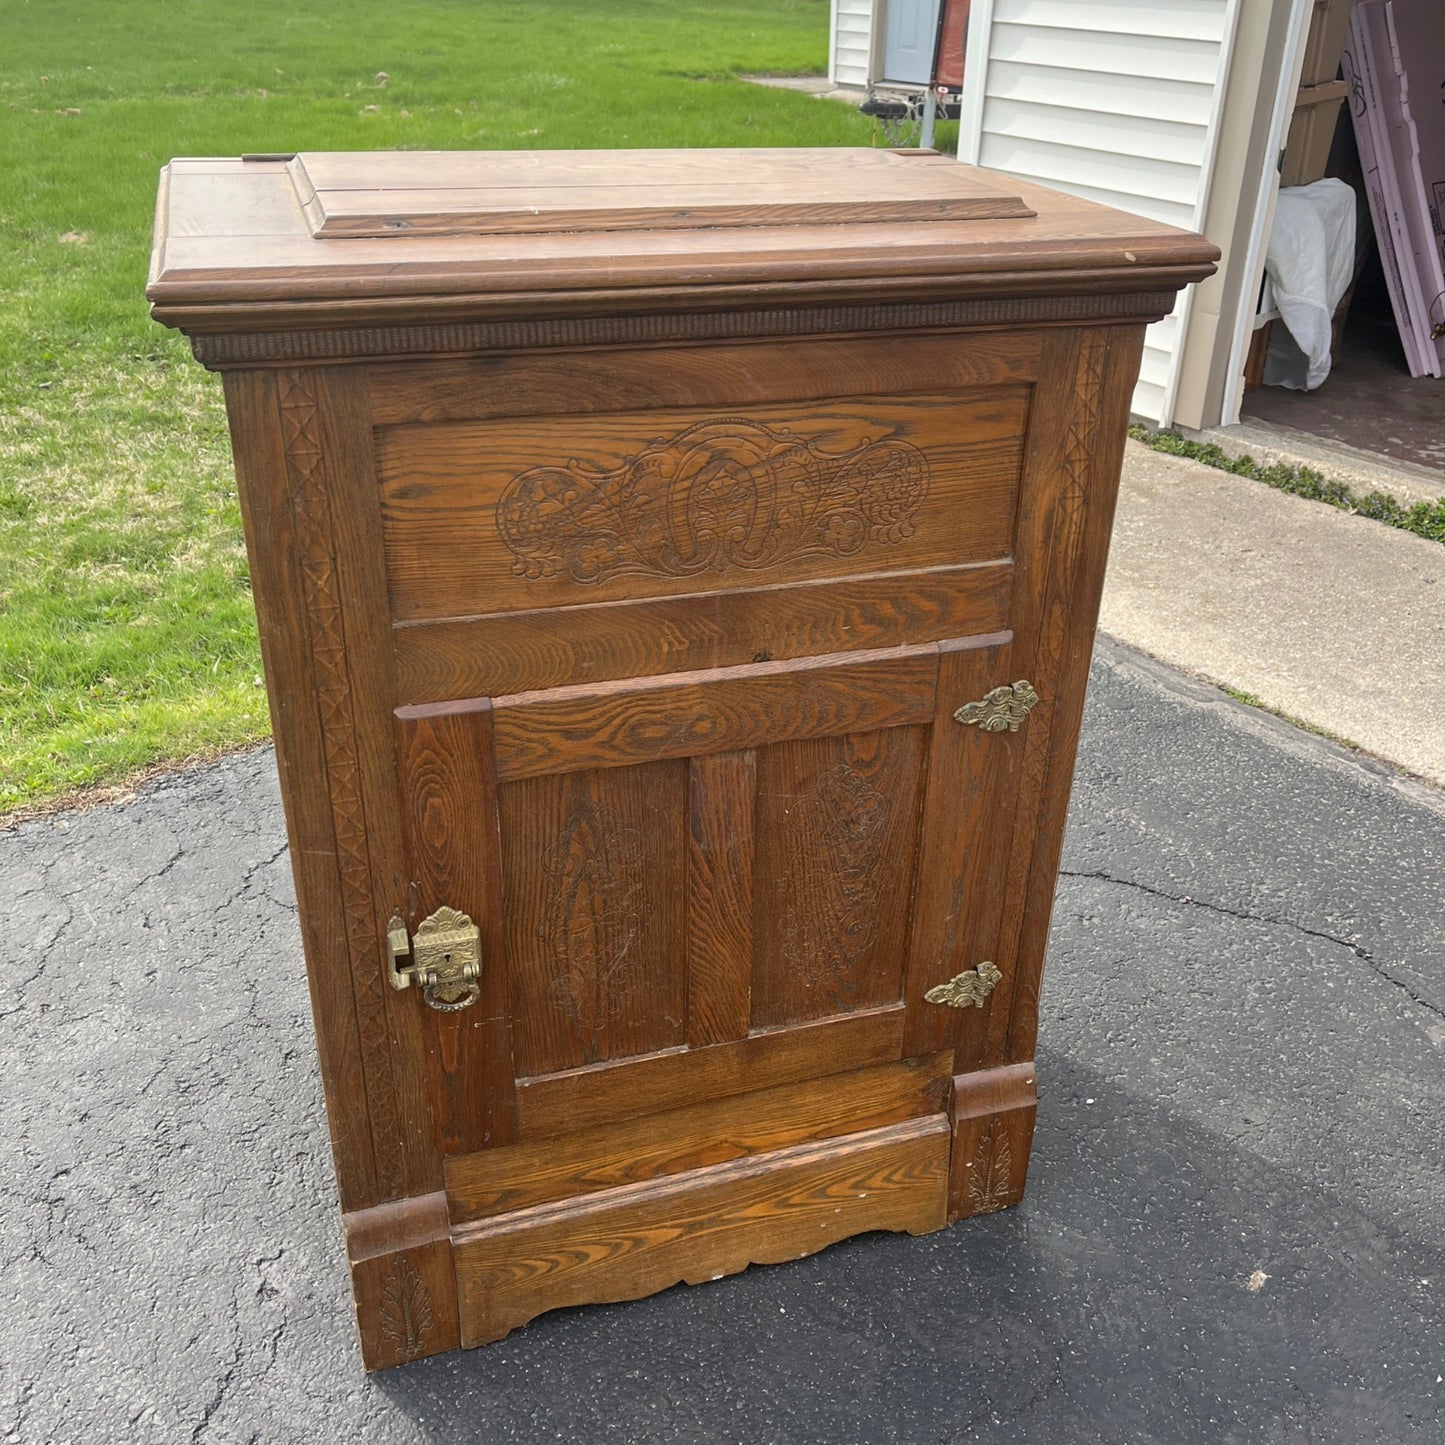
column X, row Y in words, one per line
column 715, row 496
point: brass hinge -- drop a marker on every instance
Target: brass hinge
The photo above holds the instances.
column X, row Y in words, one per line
column 1002, row 709
column 446, row 955
column 966, row 990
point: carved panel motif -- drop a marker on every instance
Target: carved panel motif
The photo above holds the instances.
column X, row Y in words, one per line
column 990, row 1186
column 718, row 495
column 300, row 429
column 406, row 1315
column 592, row 917
column 831, row 923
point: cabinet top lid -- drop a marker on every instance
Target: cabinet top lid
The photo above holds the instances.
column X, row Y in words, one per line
column 334, row 240
column 481, row 193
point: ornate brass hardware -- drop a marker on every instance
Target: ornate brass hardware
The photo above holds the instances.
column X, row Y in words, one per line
column 967, row 990
column 446, row 958
column 1002, row 709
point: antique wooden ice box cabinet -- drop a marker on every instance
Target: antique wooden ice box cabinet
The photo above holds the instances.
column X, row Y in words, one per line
column 677, row 574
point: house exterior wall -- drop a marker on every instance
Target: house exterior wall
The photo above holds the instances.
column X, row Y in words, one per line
column 1263, row 77
column 851, row 29
column 1117, row 101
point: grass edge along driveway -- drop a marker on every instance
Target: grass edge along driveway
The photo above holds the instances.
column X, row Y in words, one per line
column 127, row 638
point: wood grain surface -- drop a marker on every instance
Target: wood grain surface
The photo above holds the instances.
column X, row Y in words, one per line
column 603, row 1094
column 450, row 822
column 964, row 846
column 721, row 791
column 684, row 715
column 511, row 652
column 595, row 870
column 645, row 378
column 521, row 193
column 637, row 1239
column 519, row 513
column 837, row 840
column 498, row 1181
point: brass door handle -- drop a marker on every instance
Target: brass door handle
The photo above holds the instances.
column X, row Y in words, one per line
column 446, row 958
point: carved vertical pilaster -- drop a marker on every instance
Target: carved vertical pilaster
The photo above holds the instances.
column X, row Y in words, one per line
column 1071, row 479
column 311, row 504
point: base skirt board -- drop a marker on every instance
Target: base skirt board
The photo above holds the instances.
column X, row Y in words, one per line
column 638, row 1239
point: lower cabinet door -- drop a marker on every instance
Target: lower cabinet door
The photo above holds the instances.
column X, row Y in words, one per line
column 708, row 908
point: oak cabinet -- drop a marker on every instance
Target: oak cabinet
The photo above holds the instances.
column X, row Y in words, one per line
column 677, row 575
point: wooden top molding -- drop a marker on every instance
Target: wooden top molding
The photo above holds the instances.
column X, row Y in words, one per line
column 512, row 193
column 402, row 239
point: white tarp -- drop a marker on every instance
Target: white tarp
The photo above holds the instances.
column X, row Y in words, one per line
column 1308, row 265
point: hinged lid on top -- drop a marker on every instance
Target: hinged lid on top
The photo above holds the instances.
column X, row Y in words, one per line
column 325, row 240
column 517, row 192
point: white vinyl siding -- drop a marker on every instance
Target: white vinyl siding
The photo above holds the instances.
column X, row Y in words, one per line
column 851, row 42
column 1116, row 102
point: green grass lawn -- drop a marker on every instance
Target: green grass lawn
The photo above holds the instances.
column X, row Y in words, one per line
column 126, row 631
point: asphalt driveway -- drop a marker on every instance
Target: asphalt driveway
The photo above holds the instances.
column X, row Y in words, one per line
column 1235, row 1227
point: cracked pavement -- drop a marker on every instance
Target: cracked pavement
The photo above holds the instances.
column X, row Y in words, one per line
column 1235, row 1225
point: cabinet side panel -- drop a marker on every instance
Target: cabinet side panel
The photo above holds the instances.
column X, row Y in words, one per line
column 278, row 590
column 1108, row 364
column 1071, row 473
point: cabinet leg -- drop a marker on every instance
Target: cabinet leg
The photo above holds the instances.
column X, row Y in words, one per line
column 993, row 1130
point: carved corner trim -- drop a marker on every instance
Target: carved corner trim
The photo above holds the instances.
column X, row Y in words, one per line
column 406, row 1312
column 311, row 505
column 990, row 1182
column 993, row 1121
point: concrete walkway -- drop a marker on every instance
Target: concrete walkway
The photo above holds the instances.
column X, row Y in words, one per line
column 1233, row 1232
column 1326, row 617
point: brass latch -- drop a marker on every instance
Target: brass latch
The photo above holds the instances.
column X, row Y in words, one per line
column 446, row 956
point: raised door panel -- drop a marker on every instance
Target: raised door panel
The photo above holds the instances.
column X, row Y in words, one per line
column 595, row 866
column 695, row 859
column 836, row 837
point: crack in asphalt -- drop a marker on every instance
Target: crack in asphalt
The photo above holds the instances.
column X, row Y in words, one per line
column 1363, row 954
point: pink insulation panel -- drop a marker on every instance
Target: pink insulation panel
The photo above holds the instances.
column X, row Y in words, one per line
column 1394, row 62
